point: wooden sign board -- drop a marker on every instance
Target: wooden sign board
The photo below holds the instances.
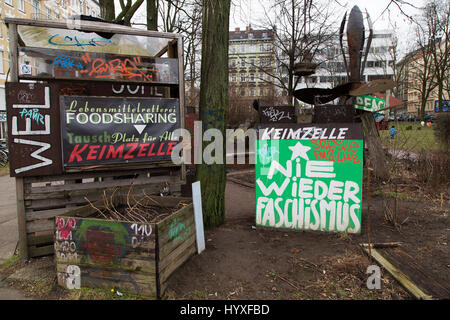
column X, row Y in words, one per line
column 309, row 177
column 33, row 129
column 368, row 103
column 115, row 130
column 277, row 114
column 55, row 64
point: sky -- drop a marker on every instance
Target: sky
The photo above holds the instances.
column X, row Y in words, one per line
column 244, row 12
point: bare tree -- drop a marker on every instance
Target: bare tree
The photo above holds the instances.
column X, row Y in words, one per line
column 128, row 9
column 437, row 17
column 152, row 15
column 299, row 27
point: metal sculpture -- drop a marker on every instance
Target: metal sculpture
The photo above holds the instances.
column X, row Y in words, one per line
column 353, row 67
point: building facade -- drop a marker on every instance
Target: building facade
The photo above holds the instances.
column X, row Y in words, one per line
column 331, row 69
column 414, row 66
column 38, row 10
column 251, row 61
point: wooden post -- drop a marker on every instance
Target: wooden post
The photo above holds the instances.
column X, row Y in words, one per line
column 180, row 53
column 20, row 199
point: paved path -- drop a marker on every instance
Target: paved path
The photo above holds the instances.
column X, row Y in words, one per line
column 8, row 231
column 8, row 217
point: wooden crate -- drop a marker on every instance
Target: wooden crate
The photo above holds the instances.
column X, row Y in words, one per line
column 63, row 193
column 126, row 256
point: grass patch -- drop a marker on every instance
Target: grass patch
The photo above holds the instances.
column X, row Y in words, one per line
column 411, row 137
column 393, row 195
column 100, row 294
column 8, row 266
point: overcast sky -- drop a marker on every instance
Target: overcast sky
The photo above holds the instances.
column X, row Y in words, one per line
column 383, row 15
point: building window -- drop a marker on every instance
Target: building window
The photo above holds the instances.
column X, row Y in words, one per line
column 233, row 63
column 243, row 63
column 252, row 77
column 261, row 92
column 252, row 92
column 48, row 13
column 233, row 49
column 252, row 62
column 21, row 5
column 268, row 62
column 261, row 76
column 261, row 48
column 233, row 78
column 242, row 91
column 242, row 77
column 269, row 47
column 36, row 9
column 9, row 2
column 261, row 62
column 243, row 48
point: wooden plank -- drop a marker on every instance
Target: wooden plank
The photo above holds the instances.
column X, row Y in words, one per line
column 178, row 231
column 39, row 225
column 137, row 266
column 36, row 240
column 40, row 251
column 123, row 187
column 181, row 214
column 184, row 256
column 141, row 284
column 90, row 26
column 175, row 254
column 404, row 280
column 150, row 169
column 166, row 246
column 103, row 184
column 424, row 279
column 198, row 216
column 46, row 214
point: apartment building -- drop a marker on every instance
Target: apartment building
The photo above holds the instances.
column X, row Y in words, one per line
column 251, row 63
column 38, row 10
column 331, row 69
column 413, row 78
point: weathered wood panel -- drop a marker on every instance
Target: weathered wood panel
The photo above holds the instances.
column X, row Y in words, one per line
column 135, row 258
column 108, row 254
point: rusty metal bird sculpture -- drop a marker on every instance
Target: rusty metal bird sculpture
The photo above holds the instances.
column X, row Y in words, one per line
column 353, row 67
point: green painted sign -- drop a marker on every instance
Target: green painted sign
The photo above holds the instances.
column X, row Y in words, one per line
column 309, row 183
column 369, row 103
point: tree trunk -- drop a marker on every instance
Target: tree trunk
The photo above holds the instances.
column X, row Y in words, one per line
column 152, row 15
column 376, row 156
column 213, row 104
column 107, row 10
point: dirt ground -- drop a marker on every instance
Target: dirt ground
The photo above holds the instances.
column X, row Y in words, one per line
column 241, row 262
column 244, row 262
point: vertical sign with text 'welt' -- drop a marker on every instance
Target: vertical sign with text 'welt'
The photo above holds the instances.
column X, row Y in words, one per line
column 309, row 177
column 33, row 129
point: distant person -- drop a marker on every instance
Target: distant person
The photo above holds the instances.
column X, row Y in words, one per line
column 422, row 123
column 429, row 124
column 392, row 132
